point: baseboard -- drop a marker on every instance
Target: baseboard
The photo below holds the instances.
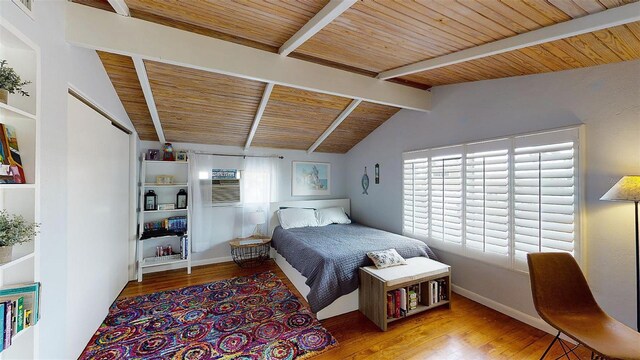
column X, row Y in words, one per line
column 509, row 311
column 182, row 266
column 211, row 261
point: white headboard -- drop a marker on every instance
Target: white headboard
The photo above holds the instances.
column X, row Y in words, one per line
column 316, row 204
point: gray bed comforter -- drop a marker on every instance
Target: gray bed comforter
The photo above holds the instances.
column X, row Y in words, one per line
column 329, row 256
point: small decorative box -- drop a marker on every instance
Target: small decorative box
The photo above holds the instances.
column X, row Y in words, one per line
column 164, row 179
column 166, row 206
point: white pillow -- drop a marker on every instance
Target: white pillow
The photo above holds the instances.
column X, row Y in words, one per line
column 386, row 258
column 294, row 218
column 332, row 215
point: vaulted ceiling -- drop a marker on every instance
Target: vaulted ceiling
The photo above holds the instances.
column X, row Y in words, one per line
column 388, row 39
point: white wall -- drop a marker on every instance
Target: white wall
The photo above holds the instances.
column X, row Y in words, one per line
column 225, row 217
column 605, row 98
column 61, row 65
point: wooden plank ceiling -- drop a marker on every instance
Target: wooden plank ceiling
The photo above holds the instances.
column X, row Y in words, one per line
column 202, row 107
column 368, row 38
column 125, row 80
column 294, row 119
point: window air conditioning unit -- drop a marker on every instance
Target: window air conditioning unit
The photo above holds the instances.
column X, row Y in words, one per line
column 225, row 191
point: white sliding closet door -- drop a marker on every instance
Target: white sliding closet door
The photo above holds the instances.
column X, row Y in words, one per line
column 98, row 219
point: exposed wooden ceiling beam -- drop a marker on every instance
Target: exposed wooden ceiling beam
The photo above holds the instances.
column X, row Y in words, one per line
column 133, row 37
column 328, row 13
column 605, row 19
column 120, row 7
column 256, row 121
column 343, row 115
column 148, row 96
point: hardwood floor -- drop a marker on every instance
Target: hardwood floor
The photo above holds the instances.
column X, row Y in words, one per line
column 466, row 331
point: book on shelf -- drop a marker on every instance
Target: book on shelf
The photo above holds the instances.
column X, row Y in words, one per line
column 403, row 301
column 3, row 306
column 11, row 170
column 8, row 319
column 442, row 290
column 184, row 247
column 412, row 297
column 390, row 306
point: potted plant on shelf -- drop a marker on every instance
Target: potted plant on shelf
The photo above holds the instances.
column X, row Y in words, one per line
column 14, row 230
column 10, row 82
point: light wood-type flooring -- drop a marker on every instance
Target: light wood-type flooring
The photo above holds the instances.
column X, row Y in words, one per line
column 466, row 331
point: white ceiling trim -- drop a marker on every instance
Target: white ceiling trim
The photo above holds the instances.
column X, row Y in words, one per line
column 325, row 16
column 256, row 121
column 605, row 19
column 120, row 7
column 343, row 115
column 148, row 97
column 101, row 30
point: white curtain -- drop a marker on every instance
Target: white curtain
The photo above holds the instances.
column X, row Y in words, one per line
column 213, row 226
column 201, row 225
column 258, row 190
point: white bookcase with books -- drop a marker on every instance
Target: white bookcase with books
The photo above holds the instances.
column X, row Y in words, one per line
column 164, row 228
column 19, row 194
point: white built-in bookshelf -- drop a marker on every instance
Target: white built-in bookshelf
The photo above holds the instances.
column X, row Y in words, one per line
column 147, row 261
column 22, row 114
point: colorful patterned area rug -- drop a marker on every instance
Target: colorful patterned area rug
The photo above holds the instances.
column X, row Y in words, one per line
column 251, row 317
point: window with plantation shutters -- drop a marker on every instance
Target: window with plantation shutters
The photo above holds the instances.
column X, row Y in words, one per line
column 496, row 200
column 487, row 217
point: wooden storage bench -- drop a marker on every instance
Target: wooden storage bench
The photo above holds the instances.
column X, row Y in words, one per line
column 417, row 274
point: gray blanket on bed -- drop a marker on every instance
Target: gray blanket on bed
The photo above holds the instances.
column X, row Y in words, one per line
column 329, row 256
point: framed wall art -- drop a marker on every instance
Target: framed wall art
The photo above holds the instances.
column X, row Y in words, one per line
column 310, row 178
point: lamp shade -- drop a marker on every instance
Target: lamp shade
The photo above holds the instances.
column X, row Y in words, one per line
column 256, row 218
column 627, row 189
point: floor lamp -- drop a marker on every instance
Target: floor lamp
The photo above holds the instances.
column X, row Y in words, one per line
column 628, row 189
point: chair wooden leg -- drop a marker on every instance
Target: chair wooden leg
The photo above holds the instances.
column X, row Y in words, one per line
column 550, row 345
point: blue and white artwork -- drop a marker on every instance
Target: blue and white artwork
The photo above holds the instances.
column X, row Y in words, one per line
column 310, row 178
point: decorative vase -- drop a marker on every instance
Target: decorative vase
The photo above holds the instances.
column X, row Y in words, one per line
column 5, row 254
column 4, row 96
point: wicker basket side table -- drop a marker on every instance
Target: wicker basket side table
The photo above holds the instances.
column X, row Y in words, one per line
column 251, row 251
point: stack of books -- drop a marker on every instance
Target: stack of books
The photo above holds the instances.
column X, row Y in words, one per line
column 438, row 291
column 19, row 308
column 401, row 301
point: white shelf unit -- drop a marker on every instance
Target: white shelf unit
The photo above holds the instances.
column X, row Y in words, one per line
column 146, row 248
column 22, row 199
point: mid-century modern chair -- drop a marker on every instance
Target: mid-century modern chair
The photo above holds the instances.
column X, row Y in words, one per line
column 563, row 299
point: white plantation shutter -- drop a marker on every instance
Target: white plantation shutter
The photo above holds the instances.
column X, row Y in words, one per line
column 487, row 199
column 545, row 196
column 416, row 197
column 416, row 194
column 445, row 182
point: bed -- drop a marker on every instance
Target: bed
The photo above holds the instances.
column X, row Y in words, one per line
column 327, row 275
